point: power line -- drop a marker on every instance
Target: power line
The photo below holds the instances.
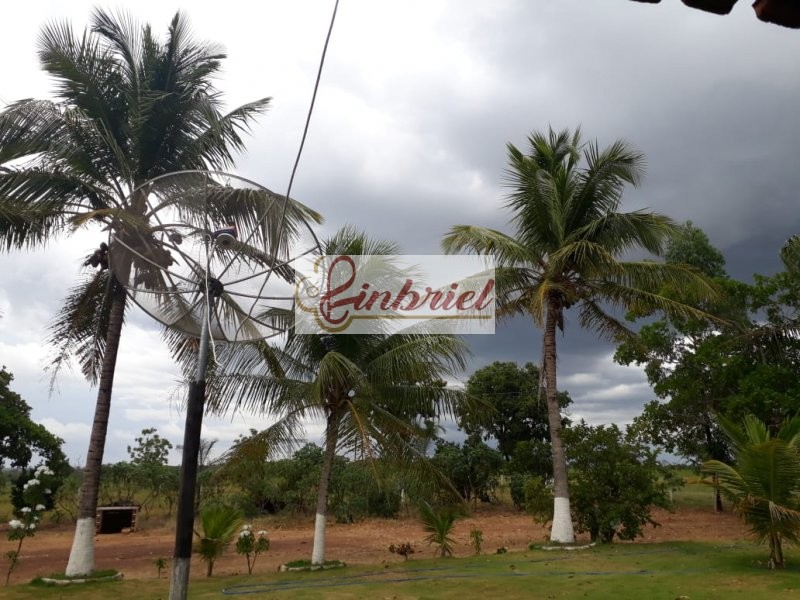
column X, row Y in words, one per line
column 313, row 100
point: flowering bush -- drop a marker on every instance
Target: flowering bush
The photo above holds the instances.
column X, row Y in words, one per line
column 36, row 495
column 251, row 545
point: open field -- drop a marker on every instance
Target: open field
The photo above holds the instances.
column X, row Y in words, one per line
column 362, row 543
column 694, row 554
column 666, row 571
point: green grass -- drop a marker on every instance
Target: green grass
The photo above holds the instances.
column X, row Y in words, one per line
column 637, row 571
column 695, row 493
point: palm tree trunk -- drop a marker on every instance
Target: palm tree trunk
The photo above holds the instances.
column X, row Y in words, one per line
column 562, row 530
column 775, row 551
column 81, row 557
column 331, row 439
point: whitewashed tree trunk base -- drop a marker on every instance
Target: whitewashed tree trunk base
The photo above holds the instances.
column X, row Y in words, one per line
column 562, row 531
column 81, row 557
column 318, row 553
column 179, row 580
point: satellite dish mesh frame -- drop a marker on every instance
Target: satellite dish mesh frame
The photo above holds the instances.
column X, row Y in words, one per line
column 208, row 290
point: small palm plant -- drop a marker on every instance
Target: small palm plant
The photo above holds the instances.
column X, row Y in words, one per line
column 763, row 485
column 438, row 524
column 220, row 524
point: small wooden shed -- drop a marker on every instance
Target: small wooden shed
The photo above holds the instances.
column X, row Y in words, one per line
column 115, row 519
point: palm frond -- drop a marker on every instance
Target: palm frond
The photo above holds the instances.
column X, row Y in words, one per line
column 81, row 325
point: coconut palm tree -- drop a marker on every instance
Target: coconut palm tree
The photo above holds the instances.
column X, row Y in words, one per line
column 764, row 483
column 370, row 390
column 565, row 252
column 128, row 107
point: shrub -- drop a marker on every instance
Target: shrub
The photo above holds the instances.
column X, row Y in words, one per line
column 36, row 496
column 405, row 549
column 476, row 538
column 614, row 482
column 251, row 545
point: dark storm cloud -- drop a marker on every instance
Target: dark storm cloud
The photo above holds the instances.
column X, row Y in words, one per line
column 417, row 103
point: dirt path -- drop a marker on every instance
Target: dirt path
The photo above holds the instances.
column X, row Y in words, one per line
column 365, row 542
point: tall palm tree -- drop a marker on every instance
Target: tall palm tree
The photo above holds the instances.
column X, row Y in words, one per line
column 128, row 107
column 765, row 481
column 566, row 252
column 370, row 390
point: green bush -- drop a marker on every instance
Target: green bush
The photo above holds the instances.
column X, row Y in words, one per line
column 614, row 482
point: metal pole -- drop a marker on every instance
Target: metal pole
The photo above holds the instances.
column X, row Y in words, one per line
column 182, row 556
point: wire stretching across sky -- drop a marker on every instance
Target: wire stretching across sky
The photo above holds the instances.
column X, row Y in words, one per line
column 273, row 251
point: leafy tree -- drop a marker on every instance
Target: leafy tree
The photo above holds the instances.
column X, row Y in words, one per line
column 691, row 246
column 614, row 482
column 517, row 412
column 473, row 467
column 129, row 107
column 763, row 482
column 371, row 390
column 20, row 437
column 149, row 459
column 790, row 254
column 700, row 367
column 565, row 253
column 150, row 449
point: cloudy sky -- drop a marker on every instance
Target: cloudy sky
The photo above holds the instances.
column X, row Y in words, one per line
column 417, row 102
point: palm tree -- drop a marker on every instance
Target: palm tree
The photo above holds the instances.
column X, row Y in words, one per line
column 765, row 482
column 220, row 524
column 565, row 252
column 370, row 390
column 128, row 108
column 438, row 523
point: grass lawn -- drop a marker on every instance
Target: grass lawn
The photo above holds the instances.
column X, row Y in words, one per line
column 641, row 571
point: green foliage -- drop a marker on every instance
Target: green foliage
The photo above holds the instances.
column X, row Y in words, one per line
column 614, row 482
column 219, row 524
column 372, row 390
column 476, row 539
column 66, row 497
column 251, row 545
column 150, row 470
column 509, row 408
column 700, row 367
column 438, row 524
column 472, row 467
column 764, row 482
column 20, row 437
column 36, row 498
column 538, row 500
column 161, row 564
column 150, row 449
column 690, row 245
column 567, row 251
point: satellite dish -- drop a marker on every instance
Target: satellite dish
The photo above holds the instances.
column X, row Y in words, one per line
column 202, row 231
column 211, row 255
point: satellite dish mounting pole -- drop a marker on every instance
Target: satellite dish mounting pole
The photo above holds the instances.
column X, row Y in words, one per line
column 182, row 556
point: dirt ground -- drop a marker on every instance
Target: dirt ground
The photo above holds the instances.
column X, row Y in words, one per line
column 365, row 542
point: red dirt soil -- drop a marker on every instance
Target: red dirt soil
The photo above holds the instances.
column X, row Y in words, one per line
column 365, row 542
